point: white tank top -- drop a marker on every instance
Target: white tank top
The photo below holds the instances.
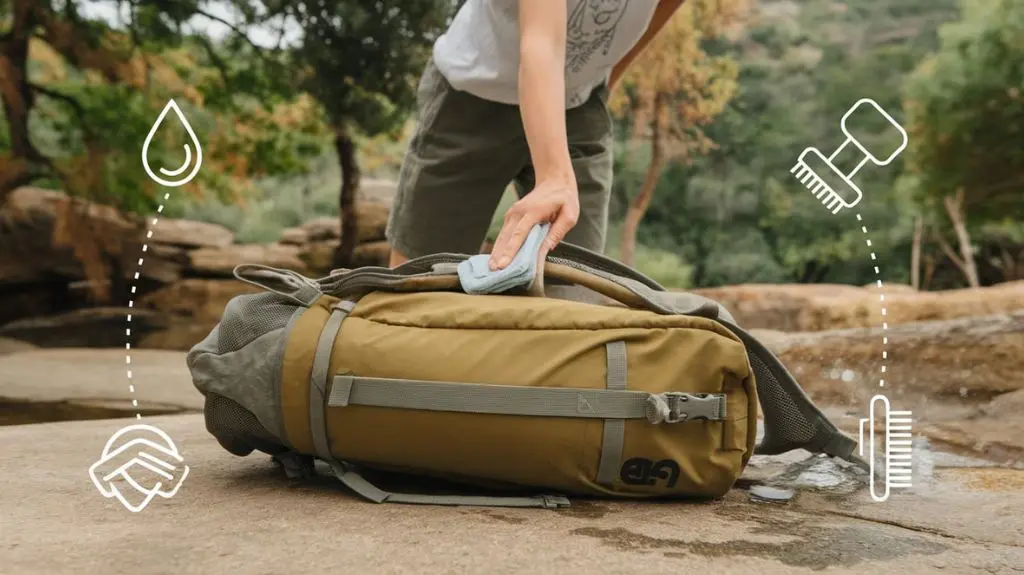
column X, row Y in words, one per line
column 479, row 53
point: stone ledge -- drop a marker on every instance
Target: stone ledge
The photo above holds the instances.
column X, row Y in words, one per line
column 238, row 515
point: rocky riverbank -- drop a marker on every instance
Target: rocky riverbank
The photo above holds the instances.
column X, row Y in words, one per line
column 183, row 283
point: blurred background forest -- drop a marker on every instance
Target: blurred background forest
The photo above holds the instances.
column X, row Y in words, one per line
column 296, row 103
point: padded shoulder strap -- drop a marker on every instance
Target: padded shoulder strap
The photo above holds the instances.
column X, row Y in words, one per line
column 287, row 283
column 596, row 261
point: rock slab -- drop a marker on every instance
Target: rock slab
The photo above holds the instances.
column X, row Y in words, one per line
column 89, row 377
column 819, row 307
column 240, row 515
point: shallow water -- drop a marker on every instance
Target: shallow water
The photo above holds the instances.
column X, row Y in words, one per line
column 778, row 478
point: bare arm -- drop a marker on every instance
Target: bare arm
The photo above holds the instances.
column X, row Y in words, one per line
column 542, row 31
column 664, row 11
column 542, row 86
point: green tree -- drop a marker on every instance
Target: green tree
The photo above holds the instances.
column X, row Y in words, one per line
column 966, row 123
column 80, row 94
column 94, row 88
column 672, row 90
column 801, row 66
column 361, row 60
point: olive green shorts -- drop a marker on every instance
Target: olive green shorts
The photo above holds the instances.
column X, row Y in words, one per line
column 466, row 151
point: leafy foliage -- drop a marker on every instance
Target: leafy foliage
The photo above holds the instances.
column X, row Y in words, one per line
column 91, row 90
column 674, row 89
column 800, row 67
column 80, row 92
column 965, row 109
column 362, row 60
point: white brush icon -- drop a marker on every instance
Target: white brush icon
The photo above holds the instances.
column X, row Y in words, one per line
column 819, row 174
column 898, row 445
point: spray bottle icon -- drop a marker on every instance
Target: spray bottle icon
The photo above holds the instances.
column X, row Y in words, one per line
column 819, row 174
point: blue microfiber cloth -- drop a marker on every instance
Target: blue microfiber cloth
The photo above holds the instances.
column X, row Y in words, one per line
column 477, row 278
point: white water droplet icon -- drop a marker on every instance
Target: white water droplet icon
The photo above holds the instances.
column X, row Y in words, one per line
column 171, row 105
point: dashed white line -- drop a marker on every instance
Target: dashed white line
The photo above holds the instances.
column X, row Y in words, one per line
column 881, row 299
column 131, row 305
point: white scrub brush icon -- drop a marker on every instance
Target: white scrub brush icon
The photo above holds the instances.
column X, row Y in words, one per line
column 819, row 174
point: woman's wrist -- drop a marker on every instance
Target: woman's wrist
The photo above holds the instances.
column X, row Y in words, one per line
column 561, row 176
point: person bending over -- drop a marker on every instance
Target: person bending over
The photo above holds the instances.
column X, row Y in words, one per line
column 516, row 91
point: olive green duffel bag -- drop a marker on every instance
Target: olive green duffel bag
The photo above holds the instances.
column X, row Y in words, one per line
column 607, row 385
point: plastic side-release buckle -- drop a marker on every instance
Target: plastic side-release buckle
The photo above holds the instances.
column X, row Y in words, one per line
column 677, row 407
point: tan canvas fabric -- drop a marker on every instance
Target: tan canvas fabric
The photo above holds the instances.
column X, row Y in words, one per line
column 295, row 373
column 522, row 341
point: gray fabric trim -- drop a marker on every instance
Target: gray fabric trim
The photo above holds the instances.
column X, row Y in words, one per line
column 364, row 488
column 517, row 400
column 614, row 429
column 344, row 305
column 341, row 390
column 247, row 376
column 287, row 283
column 318, row 381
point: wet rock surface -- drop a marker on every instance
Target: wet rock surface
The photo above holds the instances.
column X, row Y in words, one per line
column 87, row 327
column 66, row 384
column 235, row 515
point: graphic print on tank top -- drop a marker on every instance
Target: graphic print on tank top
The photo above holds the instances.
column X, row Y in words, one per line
column 592, row 25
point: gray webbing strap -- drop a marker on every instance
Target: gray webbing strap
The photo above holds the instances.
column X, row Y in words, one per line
column 318, row 377
column 614, row 429
column 364, row 488
column 670, row 407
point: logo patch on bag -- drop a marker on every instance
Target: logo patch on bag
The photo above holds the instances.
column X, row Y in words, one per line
column 640, row 471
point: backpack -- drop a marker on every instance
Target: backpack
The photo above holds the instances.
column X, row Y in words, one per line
column 602, row 383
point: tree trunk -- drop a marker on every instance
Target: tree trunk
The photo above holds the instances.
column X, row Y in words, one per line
column 1007, row 264
column 17, row 98
column 346, row 149
column 929, row 272
column 638, row 207
column 954, row 207
column 915, row 255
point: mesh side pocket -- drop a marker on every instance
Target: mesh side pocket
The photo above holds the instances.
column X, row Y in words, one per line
column 250, row 316
column 237, row 429
column 777, row 405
